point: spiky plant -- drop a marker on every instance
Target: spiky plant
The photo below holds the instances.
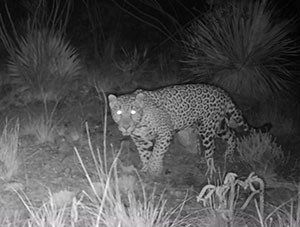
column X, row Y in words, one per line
column 242, row 48
column 44, row 62
column 261, row 153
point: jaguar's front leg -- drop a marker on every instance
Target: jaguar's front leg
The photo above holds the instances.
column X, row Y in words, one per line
column 161, row 146
column 144, row 147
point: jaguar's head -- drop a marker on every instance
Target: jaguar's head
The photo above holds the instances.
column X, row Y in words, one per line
column 127, row 111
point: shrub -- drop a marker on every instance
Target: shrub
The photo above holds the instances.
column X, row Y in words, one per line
column 42, row 61
column 242, row 48
column 45, row 63
column 261, row 152
column 42, row 127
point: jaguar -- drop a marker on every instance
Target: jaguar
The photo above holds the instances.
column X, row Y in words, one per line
column 151, row 118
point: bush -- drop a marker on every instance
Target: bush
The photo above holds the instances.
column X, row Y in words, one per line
column 45, row 63
column 261, row 153
column 42, row 61
column 242, row 48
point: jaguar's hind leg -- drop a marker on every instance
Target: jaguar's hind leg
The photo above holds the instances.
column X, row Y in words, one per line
column 235, row 119
column 208, row 141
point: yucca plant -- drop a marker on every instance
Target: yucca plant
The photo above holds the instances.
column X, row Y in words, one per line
column 42, row 60
column 45, row 62
column 242, row 48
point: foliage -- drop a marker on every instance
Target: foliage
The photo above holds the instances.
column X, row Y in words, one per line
column 42, row 127
column 45, row 63
column 42, row 60
column 261, row 152
column 223, row 198
column 118, row 202
column 110, row 199
column 243, row 48
column 9, row 144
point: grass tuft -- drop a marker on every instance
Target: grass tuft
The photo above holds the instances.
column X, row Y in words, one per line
column 44, row 129
column 119, row 204
column 261, row 153
column 9, row 143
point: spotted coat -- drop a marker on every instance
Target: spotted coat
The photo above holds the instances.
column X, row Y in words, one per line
column 151, row 118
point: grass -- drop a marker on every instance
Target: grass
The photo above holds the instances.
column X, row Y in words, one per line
column 105, row 202
column 117, row 196
column 116, row 192
column 260, row 152
column 43, row 128
column 9, row 143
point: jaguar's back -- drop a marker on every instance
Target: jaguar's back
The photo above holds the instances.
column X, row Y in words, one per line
column 191, row 104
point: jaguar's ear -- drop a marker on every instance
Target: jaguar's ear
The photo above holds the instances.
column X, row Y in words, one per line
column 112, row 100
column 140, row 99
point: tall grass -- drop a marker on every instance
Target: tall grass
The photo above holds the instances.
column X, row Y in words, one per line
column 105, row 201
column 117, row 196
column 119, row 203
column 243, row 48
column 9, row 144
column 111, row 197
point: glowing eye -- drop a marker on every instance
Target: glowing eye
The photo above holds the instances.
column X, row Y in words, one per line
column 119, row 112
column 133, row 112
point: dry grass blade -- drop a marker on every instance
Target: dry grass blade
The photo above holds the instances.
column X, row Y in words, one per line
column 9, row 141
column 113, row 205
